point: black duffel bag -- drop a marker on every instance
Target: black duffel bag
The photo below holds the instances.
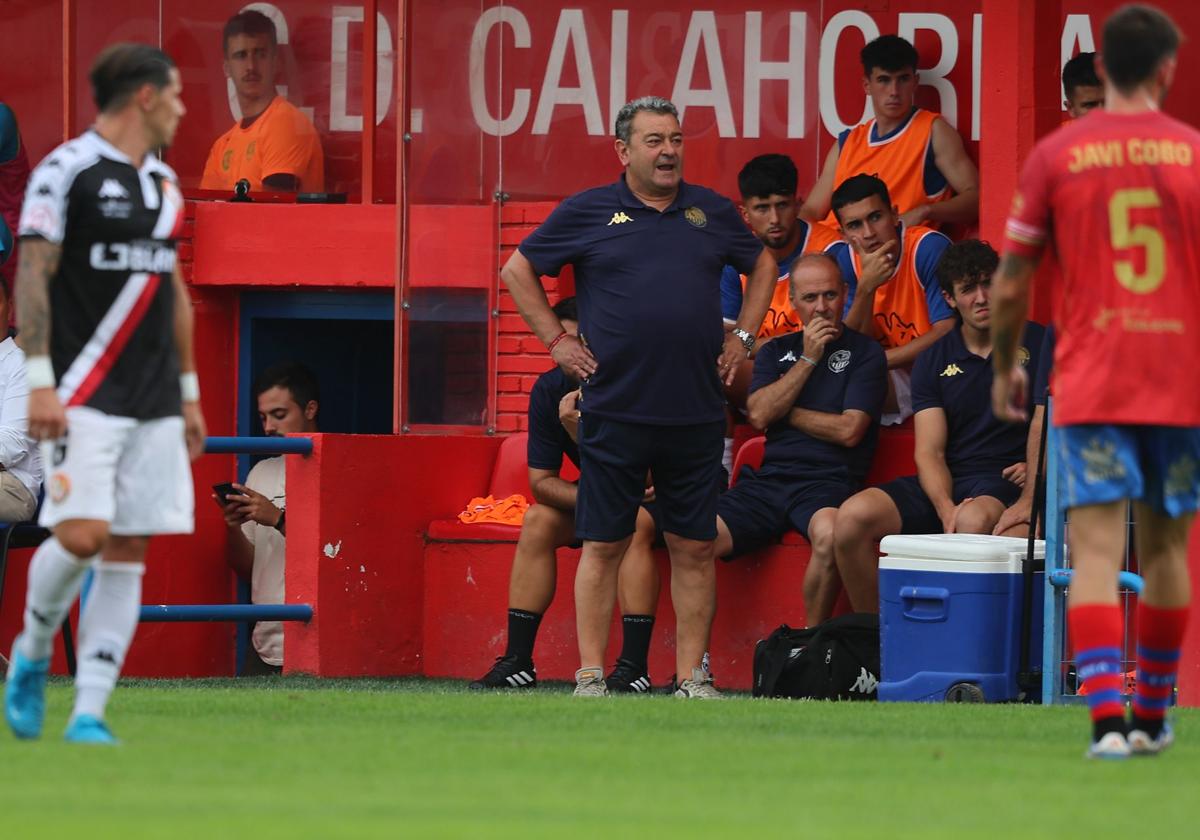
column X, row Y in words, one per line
column 836, row 660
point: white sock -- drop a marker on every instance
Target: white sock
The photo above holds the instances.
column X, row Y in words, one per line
column 106, row 628
column 727, row 457
column 55, row 576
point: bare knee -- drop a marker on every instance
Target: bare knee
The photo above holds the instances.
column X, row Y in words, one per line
column 82, row 537
column 821, row 537
column 544, row 527
column 126, row 549
column 978, row 517
column 861, row 519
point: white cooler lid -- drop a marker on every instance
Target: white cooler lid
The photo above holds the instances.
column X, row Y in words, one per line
column 964, row 548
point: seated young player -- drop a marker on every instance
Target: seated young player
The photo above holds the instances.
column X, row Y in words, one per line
column 970, row 465
column 549, row 525
column 1081, row 85
column 767, row 184
column 818, row 394
column 891, row 268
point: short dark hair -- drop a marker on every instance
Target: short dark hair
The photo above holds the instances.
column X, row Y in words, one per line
column 248, row 22
column 970, row 259
column 1079, row 72
column 768, row 175
column 1136, row 40
column 121, row 69
column 293, row 376
column 654, row 104
column 890, row 53
column 856, row 188
column 566, row 310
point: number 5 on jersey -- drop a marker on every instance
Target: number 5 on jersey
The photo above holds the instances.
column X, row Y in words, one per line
column 1125, row 235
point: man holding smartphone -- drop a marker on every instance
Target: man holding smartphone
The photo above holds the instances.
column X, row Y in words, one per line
column 288, row 400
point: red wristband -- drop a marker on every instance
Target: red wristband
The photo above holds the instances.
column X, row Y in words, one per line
column 550, row 347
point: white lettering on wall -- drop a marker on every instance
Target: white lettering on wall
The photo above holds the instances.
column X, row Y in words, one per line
column 702, row 31
column 935, row 76
column 790, row 70
column 1077, row 29
column 618, row 65
column 339, row 52
column 838, row 24
column 976, row 71
column 496, row 126
column 571, row 31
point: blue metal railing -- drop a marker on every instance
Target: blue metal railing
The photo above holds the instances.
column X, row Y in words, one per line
column 258, row 446
column 226, row 612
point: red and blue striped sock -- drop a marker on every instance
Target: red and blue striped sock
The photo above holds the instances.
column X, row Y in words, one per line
column 1160, row 636
column 1096, row 637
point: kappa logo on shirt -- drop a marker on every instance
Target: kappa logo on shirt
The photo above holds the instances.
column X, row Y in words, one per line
column 111, row 188
column 789, row 356
column 619, row 218
column 951, row 370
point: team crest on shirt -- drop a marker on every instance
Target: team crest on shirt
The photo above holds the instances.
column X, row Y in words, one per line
column 696, row 216
column 1022, row 356
column 227, row 159
column 59, row 487
column 250, row 149
column 839, row 360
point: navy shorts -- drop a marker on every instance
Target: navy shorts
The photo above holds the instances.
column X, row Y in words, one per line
column 1157, row 465
column 758, row 510
column 615, row 458
column 919, row 516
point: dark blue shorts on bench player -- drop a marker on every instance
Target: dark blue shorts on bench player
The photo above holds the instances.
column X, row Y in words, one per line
column 758, row 510
column 615, row 458
column 919, row 516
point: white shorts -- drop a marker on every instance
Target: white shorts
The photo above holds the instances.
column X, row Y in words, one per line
column 133, row 474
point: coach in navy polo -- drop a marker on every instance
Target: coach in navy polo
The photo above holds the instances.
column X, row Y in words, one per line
column 970, row 466
column 818, row 394
column 648, row 251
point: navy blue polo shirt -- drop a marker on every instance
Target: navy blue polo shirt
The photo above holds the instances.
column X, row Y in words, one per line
column 548, row 440
column 649, row 289
column 1041, row 382
column 949, row 376
column 851, row 374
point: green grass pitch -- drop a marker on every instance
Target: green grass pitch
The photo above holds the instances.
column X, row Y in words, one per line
column 295, row 757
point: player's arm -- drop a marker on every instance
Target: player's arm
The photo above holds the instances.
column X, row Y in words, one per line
column 905, row 355
column 770, row 402
column 845, row 429
column 816, row 207
column 1021, row 511
column 1009, row 308
column 240, row 553
column 38, row 264
column 929, row 452
column 193, row 419
column 760, row 285
column 568, row 352
column 960, row 172
column 282, row 182
column 552, row 490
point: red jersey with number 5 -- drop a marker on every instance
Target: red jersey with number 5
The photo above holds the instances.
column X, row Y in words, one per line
column 1118, row 198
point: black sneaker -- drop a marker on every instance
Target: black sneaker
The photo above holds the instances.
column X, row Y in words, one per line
column 508, row 672
column 627, row 678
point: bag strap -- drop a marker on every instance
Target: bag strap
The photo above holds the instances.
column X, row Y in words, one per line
column 778, row 642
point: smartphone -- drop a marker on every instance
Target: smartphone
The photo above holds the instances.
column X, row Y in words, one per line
column 224, row 490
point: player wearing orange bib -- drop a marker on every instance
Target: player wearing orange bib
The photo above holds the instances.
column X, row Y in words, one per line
column 274, row 146
column 767, row 184
column 917, row 153
column 1117, row 195
column 891, row 268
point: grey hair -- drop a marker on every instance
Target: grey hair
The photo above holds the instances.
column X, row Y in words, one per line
column 629, row 110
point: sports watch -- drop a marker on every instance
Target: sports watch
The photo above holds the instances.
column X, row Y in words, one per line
column 748, row 340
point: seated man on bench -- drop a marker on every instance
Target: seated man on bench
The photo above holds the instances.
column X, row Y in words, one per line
column 818, row 393
column 549, row 525
column 970, row 466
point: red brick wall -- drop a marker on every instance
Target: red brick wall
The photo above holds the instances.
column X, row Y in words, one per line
column 520, row 357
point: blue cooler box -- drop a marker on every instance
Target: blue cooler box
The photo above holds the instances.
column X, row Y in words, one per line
column 950, row 617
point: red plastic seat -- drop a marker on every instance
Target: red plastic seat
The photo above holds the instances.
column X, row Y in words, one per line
column 749, row 455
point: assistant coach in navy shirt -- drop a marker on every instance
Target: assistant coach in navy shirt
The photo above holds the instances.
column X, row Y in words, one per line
column 648, row 252
column 970, row 465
